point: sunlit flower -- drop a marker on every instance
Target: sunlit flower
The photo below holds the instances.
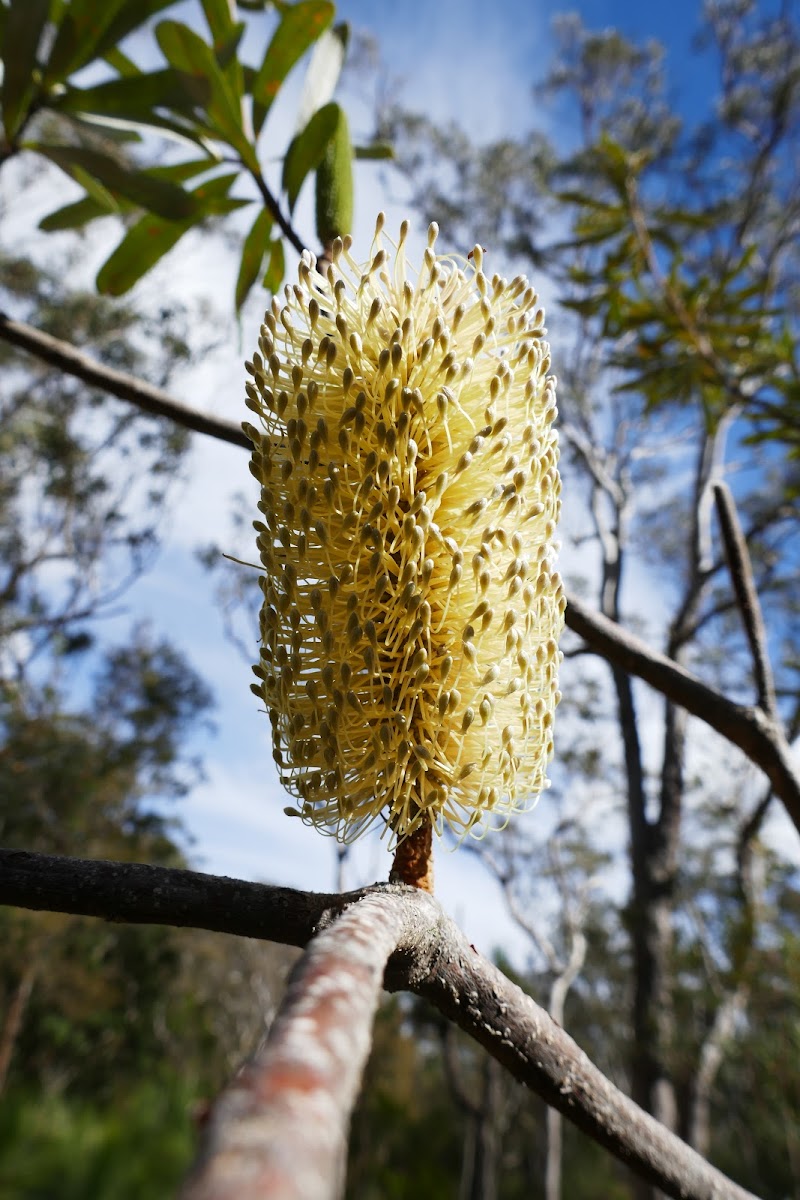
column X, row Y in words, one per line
column 410, row 493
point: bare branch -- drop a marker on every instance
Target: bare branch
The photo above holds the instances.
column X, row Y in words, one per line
column 145, row 895
column 749, row 728
column 432, row 958
column 741, row 572
column 280, row 1128
column 118, row 383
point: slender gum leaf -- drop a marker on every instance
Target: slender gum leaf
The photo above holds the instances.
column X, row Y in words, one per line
column 81, row 212
column 300, row 27
column 255, row 246
column 188, row 53
column 151, row 237
column 160, row 196
column 307, row 149
column 133, row 97
column 24, row 22
column 276, row 269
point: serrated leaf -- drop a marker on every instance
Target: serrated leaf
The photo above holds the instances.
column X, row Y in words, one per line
column 160, row 196
column 253, row 251
column 152, row 237
column 376, row 150
column 307, row 149
column 24, row 23
column 300, row 26
column 277, row 267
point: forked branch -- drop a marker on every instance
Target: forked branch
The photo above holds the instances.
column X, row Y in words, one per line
column 430, row 957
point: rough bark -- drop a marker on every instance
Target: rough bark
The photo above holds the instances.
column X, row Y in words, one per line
column 432, row 958
column 280, row 1128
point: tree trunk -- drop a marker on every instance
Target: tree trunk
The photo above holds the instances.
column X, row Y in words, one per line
column 13, row 1020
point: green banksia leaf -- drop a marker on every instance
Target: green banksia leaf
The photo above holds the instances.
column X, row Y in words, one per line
column 410, row 491
column 335, row 185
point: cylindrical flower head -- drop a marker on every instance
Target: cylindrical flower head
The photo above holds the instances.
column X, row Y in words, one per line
column 410, row 493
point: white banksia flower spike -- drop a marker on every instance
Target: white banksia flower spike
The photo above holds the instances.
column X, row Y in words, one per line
column 408, row 466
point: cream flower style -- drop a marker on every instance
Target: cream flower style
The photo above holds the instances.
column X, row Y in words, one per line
column 410, row 492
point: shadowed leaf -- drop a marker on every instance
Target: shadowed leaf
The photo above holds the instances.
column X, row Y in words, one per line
column 306, row 150
column 276, row 269
column 158, row 195
column 151, row 237
column 255, row 246
column 24, row 22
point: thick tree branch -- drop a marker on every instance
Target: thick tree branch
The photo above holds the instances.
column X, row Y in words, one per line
column 432, row 958
column 749, row 728
column 118, row 383
column 280, row 1128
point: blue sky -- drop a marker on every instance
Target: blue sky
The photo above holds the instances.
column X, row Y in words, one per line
column 457, row 59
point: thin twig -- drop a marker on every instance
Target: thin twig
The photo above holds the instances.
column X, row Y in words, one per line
column 118, row 383
column 275, row 212
column 741, row 572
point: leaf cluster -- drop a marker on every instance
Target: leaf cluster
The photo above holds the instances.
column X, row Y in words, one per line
column 72, row 96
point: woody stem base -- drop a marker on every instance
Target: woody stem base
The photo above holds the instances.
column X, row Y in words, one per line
column 413, row 859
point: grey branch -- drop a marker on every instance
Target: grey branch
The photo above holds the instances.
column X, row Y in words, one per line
column 150, row 399
column 756, row 734
column 431, row 957
column 280, row 1128
column 741, row 572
